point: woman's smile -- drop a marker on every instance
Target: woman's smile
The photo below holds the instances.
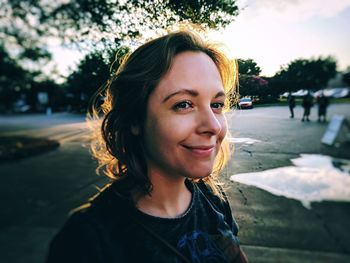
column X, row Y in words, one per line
column 201, row 151
column 185, row 124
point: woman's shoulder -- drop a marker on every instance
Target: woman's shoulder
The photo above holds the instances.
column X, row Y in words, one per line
column 86, row 233
column 218, row 199
column 74, row 241
column 219, row 203
column 102, row 207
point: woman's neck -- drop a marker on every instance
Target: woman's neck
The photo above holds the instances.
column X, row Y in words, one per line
column 169, row 198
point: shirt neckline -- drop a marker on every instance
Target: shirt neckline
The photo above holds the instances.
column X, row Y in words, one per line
column 194, row 191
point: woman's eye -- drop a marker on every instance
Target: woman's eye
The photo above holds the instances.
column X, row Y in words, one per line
column 217, row 105
column 183, row 105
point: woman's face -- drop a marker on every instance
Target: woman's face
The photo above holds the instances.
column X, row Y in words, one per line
column 185, row 125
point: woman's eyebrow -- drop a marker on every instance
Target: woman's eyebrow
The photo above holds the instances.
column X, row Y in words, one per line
column 190, row 92
column 220, row 94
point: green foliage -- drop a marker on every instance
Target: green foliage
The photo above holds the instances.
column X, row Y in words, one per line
column 26, row 26
column 30, row 21
column 346, row 78
column 16, row 82
column 12, row 78
column 23, row 50
column 248, row 67
column 54, row 91
column 211, row 13
column 253, row 86
column 20, row 28
column 96, row 19
column 306, row 74
column 34, row 54
column 250, row 84
column 92, row 72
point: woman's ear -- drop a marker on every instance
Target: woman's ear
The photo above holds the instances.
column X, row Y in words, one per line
column 135, row 130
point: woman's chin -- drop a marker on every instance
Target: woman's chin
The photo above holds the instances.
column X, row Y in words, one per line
column 199, row 175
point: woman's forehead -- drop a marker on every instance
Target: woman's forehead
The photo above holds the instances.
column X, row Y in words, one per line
column 191, row 70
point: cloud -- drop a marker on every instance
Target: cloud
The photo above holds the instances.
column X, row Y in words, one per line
column 294, row 10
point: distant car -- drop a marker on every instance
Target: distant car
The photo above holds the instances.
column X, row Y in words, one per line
column 245, row 103
column 20, row 106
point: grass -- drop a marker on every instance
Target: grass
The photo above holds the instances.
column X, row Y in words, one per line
column 17, row 147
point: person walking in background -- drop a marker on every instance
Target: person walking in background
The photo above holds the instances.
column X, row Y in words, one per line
column 162, row 142
column 323, row 103
column 291, row 104
column 307, row 104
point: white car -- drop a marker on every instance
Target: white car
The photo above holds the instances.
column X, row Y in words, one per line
column 245, row 103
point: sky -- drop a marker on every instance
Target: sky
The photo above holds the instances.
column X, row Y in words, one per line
column 273, row 33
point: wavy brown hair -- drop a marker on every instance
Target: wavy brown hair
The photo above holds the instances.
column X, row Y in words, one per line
column 125, row 96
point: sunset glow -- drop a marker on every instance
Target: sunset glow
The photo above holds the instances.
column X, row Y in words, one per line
column 273, row 33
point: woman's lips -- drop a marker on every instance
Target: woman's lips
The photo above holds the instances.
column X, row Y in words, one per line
column 201, row 150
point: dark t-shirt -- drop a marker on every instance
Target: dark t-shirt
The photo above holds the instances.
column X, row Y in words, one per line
column 105, row 231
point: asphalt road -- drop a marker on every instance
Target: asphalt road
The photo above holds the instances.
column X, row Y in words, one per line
column 277, row 229
column 37, row 193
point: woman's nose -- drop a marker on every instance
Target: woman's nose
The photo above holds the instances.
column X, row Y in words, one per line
column 209, row 122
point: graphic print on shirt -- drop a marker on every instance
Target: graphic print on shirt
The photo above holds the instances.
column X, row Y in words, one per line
column 200, row 247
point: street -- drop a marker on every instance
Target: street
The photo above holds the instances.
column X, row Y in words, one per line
column 38, row 192
column 274, row 228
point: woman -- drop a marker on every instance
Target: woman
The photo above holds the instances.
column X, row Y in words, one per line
column 163, row 143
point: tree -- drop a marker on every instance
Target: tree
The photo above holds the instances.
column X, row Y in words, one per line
column 253, row 86
column 80, row 20
column 21, row 30
column 23, row 53
column 28, row 25
column 92, row 72
column 13, row 78
column 97, row 19
column 19, row 83
column 250, row 84
column 346, row 77
column 309, row 74
column 248, row 67
column 54, row 92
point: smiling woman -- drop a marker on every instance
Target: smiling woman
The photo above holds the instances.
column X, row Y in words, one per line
column 162, row 141
column 191, row 98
